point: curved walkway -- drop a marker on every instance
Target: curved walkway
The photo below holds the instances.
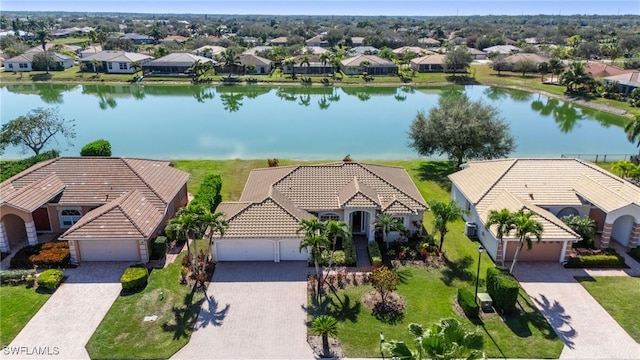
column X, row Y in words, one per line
column 585, row 328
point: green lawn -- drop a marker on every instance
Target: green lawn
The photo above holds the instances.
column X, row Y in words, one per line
column 17, row 306
column 122, row 334
column 619, row 296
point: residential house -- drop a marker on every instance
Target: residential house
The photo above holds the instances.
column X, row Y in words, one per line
column 24, row 62
column 428, row 42
column 399, row 52
column 264, row 223
column 429, row 63
column 257, row 49
column 114, row 62
column 210, row 51
column 175, row 38
column 371, row 64
column 315, row 66
column 513, row 59
column 501, row 49
column 551, row 188
column 364, row 50
column 477, row 54
column 357, row 41
column 89, row 51
column 628, row 82
column 107, row 208
column 279, row 41
column 600, row 70
column 174, row 64
column 138, row 39
column 317, row 41
column 314, row 50
column 259, row 64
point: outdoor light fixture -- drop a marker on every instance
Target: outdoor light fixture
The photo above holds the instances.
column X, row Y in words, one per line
column 480, row 251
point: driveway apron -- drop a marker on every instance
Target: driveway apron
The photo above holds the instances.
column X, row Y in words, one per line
column 585, row 328
column 64, row 324
column 255, row 310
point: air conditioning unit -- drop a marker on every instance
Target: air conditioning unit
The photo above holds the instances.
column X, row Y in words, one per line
column 471, row 230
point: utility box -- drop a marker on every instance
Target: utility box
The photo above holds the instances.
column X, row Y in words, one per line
column 485, row 301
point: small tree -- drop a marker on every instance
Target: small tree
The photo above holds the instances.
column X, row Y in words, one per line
column 34, row 130
column 387, row 223
column 582, row 225
column 457, row 59
column 633, row 127
column 525, row 227
column 524, row 66
column 325, row 326
column 503, row 220
column 443, row 214
column 384, row 280
column 499, row 64
column 99, row 147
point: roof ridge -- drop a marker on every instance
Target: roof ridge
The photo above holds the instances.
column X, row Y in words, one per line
column 127, row 196
column 497, row 180
column 31, row 169
column 552, row 219
column 393, row 185
column 100, row 210
column 124, row 160
column 20, row 191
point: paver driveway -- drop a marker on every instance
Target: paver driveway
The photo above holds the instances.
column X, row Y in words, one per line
column 256, row 310
column 64, row 324
column 586, row 329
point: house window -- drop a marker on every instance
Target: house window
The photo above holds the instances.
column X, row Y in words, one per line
column 123, row 66
column 69, row 217
column 110, row 66
column 10, row 66
column 399, row 219
column 326, row 217
column 23, row 66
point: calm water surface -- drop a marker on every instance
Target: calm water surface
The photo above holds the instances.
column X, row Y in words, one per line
column 209, row 122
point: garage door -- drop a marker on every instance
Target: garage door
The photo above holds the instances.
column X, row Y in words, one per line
column 289, row 250
column 244, row 250
column 540, row 251
column 109, row 250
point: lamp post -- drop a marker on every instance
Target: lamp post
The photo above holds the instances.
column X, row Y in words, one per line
column 480, row 250
column 381, row 342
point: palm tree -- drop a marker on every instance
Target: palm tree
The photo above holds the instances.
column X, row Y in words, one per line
column 333, row 230
column 199, row 68
column 623, row 167
column 325, row 58
column 230, row 60
column 574, row 77
column 446, row 340
column 525, row 227
column 325, row 326
column 185, row 222
column 291, row 63
column 42, row 35
column 504, row 221
column 305, row 61
column 555, row 66
column 215, row 224
column 316, row 243
column 311, row 226
column 387, row 223
column 543, row 69
column 101, row 38
column 443, row 214
column 633, row 130
column 364, row 64
column 135, row 66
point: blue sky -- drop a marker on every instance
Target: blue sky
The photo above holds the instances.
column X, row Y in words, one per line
column 335, row 7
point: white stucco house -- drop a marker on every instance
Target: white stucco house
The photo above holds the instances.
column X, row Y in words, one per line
column 551, row 188
column 263, row 224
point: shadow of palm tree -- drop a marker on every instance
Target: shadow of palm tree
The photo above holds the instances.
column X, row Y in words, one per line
column 458, row 270
column 437, row 171
column 403, row 275
column 184, row 317
column 558, row 319
column 341, row 309
column 211, row 315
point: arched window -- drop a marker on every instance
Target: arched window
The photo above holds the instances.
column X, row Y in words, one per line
column 68, row 217
column 567, row 211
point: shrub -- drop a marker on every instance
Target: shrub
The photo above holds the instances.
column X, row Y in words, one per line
column 99, row 147
column 374, row 254
column 467, row 302
column 134, row 277
column 635, row 253
column 50, row 279
column 159, row 247
column 503, row 289
column 208, row 195
column 12, row 167
column 51, row 255
column 608, row 259
column 15, row 277
column 349, row 252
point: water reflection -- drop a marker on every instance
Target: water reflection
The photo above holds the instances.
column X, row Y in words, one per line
column 232, row 101
column 566, row 115
column 49, row 93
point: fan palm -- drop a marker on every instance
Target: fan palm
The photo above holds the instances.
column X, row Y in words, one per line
column 503, row 220
column 214, row 223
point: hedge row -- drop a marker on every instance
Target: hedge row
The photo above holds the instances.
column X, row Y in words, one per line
column 54, row 254
column 374, row 254
column 15, row 277
column 134, row 277
column 467, row 302
column 12, row 167
column 503, row 289
column 349, row 251
column 208, row 195
column 159, row 247
column 609, row 259
column 50, row 279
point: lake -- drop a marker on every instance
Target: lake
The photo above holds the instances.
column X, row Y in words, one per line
column 248, row 122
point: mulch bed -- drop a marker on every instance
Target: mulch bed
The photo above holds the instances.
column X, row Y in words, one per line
column 335, row 348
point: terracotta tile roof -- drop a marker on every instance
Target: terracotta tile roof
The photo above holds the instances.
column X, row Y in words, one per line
column 252, row 59
column 356, row 195
column 413, row 49
column 32, row 196
column 396, row 207
column 599, row 70
column 130, row 216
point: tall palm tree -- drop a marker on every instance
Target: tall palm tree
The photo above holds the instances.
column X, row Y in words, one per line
column 214, row 223
column 324, row 58
column 575, row 77
column 42, row 35
column 305, row 61
column 316, row 243
column 230, row 60
column 185, row 222
column 135, row 65
column 311, row 226
column 387, row 223
column 291, row 63
column 633, row 130
column 325, row 326
column 555, row 66
column 443, row 214
column 335, row 229
column 446, row 340
column 543, row 69
column 525, row 227
column 503, row 220
column 101, row 38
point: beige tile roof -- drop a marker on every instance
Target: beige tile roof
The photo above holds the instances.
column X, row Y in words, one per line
column 131, row 216
column 355, row 194
column 372, row 59
column 32, row 196
column 525, row 56
column 434, row 59
column 396, row 207
column 606, row 198
column 414, row 49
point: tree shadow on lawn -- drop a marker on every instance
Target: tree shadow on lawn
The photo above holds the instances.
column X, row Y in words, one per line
column 211, row 315
column 403, row 275
column 341, row 309
column 486, row 331
column 437, row 171
column 519, row 321
column 185, row 317
column 458, row 270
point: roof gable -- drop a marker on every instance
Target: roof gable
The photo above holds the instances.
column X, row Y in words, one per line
column 32, row 196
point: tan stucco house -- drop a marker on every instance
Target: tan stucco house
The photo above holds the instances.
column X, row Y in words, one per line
column 551, row 188
column 263, row 224
column 108, row 209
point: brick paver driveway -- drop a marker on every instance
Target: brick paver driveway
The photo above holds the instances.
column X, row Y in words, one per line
column 256, row 310
column 64, row 324
column 586, row 329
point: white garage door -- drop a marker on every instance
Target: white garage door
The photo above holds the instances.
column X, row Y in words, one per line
column 109, row 250
column 289, row 250
column 244, row 250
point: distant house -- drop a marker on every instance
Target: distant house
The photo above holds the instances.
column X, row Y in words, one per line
column 174, row 64
column 257, row 49
column 92, row 50
column 317, row 40
column 371, row 64
column 24, row 62
column 428, row 63
column 364, row 50
column 357, row 41
column 501, row 49
column 54, row 47
column 209, row 51
column 279, row 41
column 314, row 50
column 315, row 66
column 428, row 42
column 20, row 33
column 137, row 39
column 399, row 52
column 477, row 54
column 261, row 65
column 600, row 70
column 513, row 59
column 628, row 82
column 175, row 38
column 114, row 62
